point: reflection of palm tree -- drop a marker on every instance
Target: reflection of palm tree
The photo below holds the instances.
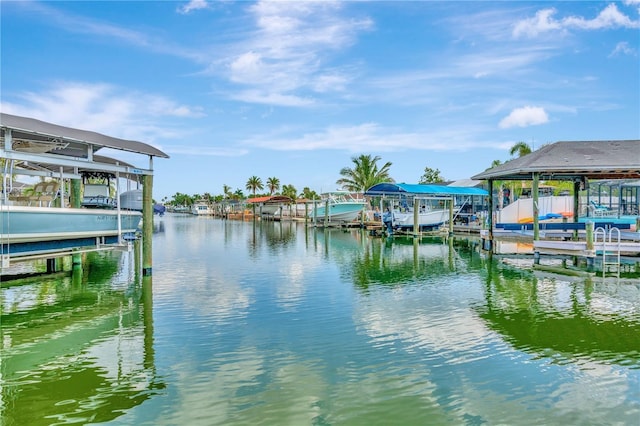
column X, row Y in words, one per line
column 365, row 174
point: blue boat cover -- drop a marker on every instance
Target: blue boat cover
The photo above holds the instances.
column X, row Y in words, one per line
column 389, row 188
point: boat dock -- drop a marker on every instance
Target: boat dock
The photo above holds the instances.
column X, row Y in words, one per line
column 77, row 206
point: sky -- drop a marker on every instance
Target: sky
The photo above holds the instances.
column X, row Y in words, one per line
column 296, row 89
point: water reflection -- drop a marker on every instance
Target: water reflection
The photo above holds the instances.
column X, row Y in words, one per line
column 76, row 350
column 277, row 323
column 555, row 317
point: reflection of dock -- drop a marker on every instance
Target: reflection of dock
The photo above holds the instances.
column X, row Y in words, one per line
column 91, row 344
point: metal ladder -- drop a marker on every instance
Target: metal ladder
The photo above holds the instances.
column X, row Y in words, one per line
column 610, row 257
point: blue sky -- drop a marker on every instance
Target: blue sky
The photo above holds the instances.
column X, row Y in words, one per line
column 294, row 90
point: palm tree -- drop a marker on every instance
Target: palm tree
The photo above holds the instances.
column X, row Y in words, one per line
column 253, row 184
column 520, row 148
column 273, row 183
column 290, row 191
column 226, row 190
column 309, row 194
column 365, row 174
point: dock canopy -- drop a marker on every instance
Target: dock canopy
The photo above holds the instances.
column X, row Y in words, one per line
column 31, row 135
column 273, row 199
column 389, row 188
column 572, row 161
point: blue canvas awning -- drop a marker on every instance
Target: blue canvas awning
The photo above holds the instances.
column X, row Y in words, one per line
column 418, row 189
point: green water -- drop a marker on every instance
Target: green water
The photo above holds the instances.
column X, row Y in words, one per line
column 276, row 324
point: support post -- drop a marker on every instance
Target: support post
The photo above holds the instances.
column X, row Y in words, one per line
column 326, row 213
column 451, row 202
column 489, row 244
column 576, row 206
column 590, row 226
column 75, row 200
column 416, row 217
column 147, row 224
column 536, row 211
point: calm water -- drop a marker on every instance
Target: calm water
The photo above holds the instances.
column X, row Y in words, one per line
column 276, row 324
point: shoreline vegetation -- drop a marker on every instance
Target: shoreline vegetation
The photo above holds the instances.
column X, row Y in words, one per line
column 363, row 174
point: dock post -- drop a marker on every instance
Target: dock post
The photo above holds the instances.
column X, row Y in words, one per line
column 76, row 201
column 416, row 218
column 147, row 224
column 451, row 202
column 590, row 229
column 326, row 213
column 536, row 210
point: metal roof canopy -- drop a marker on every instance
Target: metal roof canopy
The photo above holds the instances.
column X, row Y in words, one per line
column 389, row 188
column 566, row 160
column 46, row 146
column 36, row 130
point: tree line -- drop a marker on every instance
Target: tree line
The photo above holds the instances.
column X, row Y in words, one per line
column 362, row 175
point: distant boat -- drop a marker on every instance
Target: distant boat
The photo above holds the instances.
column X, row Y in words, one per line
column 342, row 206
column 201, row 208
column 270, row 205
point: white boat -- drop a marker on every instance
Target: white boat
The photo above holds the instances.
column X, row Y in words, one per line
column 431, row 201
column 39, row 222
column 201, row 209
column 39, row 225
column 338, row 206
column 404, row 217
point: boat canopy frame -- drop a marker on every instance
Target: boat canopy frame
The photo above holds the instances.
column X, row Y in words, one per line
column 419, row 190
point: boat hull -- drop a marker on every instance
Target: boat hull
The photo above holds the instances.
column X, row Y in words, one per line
column 21, row 224
column 427, row 219
column 269, row 209
column 341, row 212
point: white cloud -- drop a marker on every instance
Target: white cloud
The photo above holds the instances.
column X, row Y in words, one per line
column 544, row 22
column 193, row 5
column 285, row 52
column 103, row 108
column 623, row 48
column 525, row 116
column 369, row 137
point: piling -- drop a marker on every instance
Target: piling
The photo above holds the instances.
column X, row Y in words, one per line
column 451, row 216
column 590, row 231
column 326, row 213
column 147, row 224
column 76, row 202
column 416, row 218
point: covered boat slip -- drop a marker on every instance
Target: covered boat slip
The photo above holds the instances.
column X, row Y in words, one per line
column 67, row 211
column 412, row 206
column 584, row 163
